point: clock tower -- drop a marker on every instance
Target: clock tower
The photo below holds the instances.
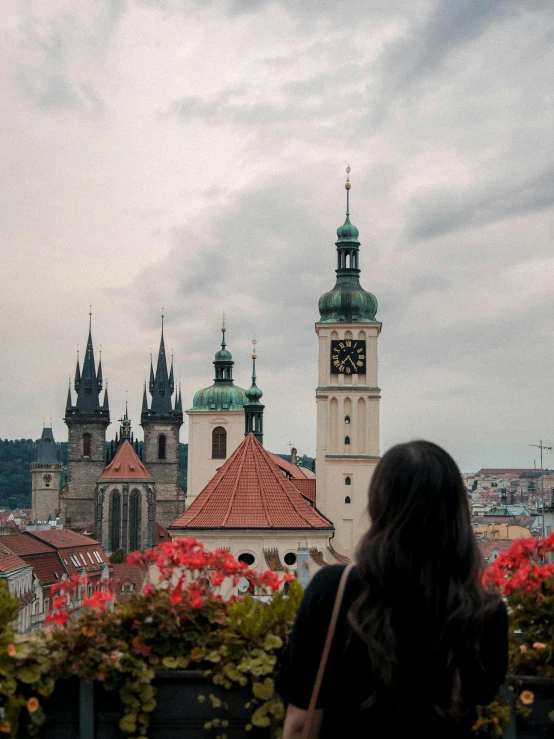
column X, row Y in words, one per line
column 347, row 395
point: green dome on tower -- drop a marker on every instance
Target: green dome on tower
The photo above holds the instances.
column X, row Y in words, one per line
column 223, row 395
column 347, row 302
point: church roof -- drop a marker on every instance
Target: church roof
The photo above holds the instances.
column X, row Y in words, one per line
column 250, row 492
column 126, row 465
column 292, row 469
column 47, row 452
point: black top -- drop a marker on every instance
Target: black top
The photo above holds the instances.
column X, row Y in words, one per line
column 347, row 682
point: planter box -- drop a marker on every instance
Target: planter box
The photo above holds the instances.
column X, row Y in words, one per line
column 77, row 710
column 538, row 725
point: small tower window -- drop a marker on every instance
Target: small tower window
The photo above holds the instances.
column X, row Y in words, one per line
column 347, row 499
column 246, row 558
column 86, row 445
column 161, row 446
column 347, row 420
column 219, row 443
column 347, row 440
column 347, row 481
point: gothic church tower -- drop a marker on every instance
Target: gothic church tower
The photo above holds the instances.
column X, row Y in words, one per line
column 347, row 395
column 87, row 422
column 161, row 423
column 45, row 479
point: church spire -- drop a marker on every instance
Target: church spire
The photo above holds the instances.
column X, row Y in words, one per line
column 347, row 302
column 77, row 374
column 161, row 384
column 68, row 404
column 105, row 404
column 88, row 382
column 253, row 409
column 171, row 379
column 144, row 400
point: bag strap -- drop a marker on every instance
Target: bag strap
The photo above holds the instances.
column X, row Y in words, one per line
column 325, row 654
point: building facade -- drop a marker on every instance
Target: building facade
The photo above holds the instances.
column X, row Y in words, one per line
column 347, row 395
column 216, row 423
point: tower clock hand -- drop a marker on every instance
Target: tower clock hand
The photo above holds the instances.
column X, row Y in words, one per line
column 352, row 363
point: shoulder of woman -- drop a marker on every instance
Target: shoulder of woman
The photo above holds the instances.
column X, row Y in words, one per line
column 324, row 584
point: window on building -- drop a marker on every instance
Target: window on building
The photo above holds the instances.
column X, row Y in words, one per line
column 246, row 558
column 83, row 559
column 290, row 558
column 127, row 587
column 347, row 419
column 115, row 521
column 134, row 521
column 347, row 481
column 161, row 446
column 347, row 499
column 97, row 557
column 86, row 445
column 219, row 443
column 347, row 440
column 91, row 560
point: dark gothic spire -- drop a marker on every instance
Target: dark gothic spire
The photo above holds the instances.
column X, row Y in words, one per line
column 171, row 380
column 99, row 374
column 106, row 405
column 68, row 404
column 47, row 452
column 90, row 383
column 178, row 399
column 161, row 388
column 144, row 399
column 253, row 409
column 77, row 374
column 151, row 383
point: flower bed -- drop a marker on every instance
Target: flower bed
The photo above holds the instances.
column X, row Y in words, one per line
column 179, row 655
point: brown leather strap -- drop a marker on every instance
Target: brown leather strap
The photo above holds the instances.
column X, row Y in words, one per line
column 325, row 654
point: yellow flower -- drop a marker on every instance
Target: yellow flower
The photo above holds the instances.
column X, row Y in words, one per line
column 33, row 705
column 5, row 727
column 539, row 645
column 12, row 651
column 527, row 697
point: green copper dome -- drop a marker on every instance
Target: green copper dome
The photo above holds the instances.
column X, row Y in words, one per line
column 219, row 397
column 347, row 302
column 223, row 395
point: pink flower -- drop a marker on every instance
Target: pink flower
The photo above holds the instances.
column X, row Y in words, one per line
column 539, row 645
column 522, row 648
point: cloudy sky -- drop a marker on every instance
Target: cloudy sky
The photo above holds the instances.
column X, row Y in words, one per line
column 191, row 155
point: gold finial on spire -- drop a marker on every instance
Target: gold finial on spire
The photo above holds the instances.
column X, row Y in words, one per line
column 223, row 327
column 348, row 185
column 254, row 342
column 90, row 309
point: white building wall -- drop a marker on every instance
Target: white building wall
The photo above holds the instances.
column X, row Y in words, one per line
column 201, row 466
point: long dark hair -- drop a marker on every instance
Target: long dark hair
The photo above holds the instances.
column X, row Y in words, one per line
column 423, row 606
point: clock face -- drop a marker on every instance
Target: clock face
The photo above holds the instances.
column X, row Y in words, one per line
column 348, row 357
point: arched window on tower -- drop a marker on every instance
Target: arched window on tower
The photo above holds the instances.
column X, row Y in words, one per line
column 161, row 446
column 347, row 440
column 347, row 481
column 86, row 445
column 219, row 443
column 115, row 521
column 134, row 521
column 347, row 419
column 347, row 499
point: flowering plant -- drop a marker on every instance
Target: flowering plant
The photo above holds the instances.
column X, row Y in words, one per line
column 186, row 617
column 525, row 577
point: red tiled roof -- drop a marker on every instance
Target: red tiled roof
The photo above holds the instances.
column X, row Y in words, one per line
column 123, row 574
column 63, row 538
column 23, row 544
column 47, row 567
column 306, row 488
column 10, row 561
column 288, row 467
column 487, row 546
column 126, row 465
column 505, row 470
column 250, row 492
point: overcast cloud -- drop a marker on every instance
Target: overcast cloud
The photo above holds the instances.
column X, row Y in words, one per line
column 191, row 155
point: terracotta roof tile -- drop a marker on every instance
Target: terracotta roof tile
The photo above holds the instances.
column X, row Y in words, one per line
column 47, row 567
column 10, row 561
column 306, row 488
column 124, row 575
column 63, row 538
column 293, row 470
column 161, row 534
column 250, row 492
column 23, row 544
column 126, row 465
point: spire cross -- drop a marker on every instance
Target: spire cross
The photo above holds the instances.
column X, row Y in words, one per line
column 163, row 315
